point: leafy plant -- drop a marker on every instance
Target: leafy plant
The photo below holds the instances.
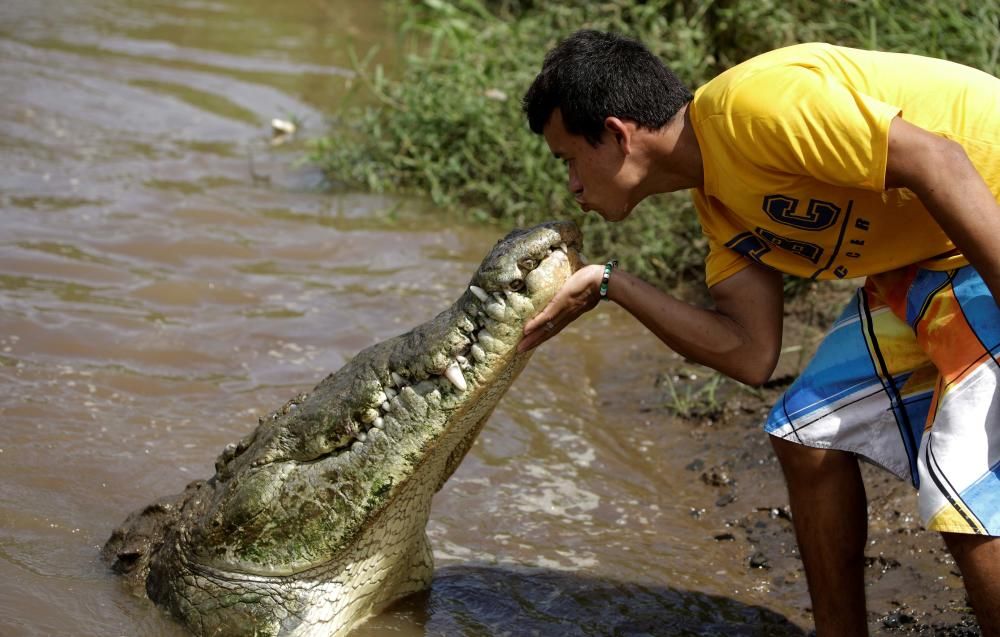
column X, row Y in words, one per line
column 690, row 397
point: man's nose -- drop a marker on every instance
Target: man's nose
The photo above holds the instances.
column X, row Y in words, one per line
column 575, row 185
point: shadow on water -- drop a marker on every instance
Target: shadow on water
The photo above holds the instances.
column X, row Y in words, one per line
column 476, row 600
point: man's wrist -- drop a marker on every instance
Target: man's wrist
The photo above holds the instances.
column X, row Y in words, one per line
column 606, row 279
column 595, row 273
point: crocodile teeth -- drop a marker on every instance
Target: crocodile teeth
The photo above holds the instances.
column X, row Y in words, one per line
column 390, row 393
column 520, row 304
column 397, row 380
column 478, row 353
column 362, row 436
column 496, row 311
column 385, row 406
column 564, row 247
column 479, row 292
column 488, row 342
column 378, row 423
column 454, row 376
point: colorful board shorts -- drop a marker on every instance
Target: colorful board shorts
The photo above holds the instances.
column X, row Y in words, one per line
column 909, row 378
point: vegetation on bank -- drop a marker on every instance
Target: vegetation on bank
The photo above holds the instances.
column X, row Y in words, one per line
column 448, row 124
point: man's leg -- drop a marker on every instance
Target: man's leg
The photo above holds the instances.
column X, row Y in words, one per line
column 830, row 514
column 978, row 558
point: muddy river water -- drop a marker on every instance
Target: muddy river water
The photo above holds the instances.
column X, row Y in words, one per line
column 167, row 276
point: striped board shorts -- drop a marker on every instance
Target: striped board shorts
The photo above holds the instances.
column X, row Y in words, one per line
column 908, row 378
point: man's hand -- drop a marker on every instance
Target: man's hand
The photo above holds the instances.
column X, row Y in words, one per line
column 578, row 295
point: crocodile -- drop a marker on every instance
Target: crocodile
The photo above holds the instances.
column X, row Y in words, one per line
column 317, row 519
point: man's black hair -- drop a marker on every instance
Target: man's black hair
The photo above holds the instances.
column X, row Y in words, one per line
column 593, row 75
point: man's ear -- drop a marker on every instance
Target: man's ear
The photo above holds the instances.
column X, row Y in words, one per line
column 621, row 131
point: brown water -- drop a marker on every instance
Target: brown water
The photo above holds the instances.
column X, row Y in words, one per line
column 166, row 275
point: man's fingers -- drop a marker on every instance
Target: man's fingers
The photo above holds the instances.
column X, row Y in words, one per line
column 532, row 325
column 532, row 341
column 538, row 330
column 541, row 320
column 551, row 313
column 538, row 336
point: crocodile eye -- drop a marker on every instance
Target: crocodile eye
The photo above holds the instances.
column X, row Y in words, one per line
column 516, row 285
column 528, row 264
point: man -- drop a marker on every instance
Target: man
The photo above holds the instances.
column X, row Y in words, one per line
column 822, row 162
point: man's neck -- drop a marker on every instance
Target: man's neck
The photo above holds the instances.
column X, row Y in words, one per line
column 675, row 156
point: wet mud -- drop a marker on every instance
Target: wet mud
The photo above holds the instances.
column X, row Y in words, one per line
column 913, row 585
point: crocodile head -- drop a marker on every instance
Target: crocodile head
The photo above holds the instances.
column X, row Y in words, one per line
column 316, row 519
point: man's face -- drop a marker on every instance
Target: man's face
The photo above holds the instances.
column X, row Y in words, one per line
column 596, row 176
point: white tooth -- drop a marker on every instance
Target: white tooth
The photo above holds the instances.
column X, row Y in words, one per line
column 378, row 423
column 397, row 380
column 478, row 353
column 454, row 375
column 362, row 436
column 381, row 397
column 564, row 247
column 520, row 304
column 369, row 416
column 390, row 393
column 479, row 292
column 496, row 311
column 488, row 342
column 461, row 360
column 385, row 406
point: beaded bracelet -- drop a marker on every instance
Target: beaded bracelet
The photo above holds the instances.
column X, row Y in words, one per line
column 608, row 267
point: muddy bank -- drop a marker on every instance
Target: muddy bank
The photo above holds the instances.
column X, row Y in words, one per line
column 913, row 585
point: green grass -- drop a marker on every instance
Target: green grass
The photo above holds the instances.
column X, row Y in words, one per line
column 688, row 399
column 448, row 125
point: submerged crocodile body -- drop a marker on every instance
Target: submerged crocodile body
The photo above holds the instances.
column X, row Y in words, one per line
column 316, row 520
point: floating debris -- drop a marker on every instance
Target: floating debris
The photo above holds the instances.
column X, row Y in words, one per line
column 282, row 130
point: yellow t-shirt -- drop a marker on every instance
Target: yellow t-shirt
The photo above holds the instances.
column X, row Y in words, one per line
column 794, row 144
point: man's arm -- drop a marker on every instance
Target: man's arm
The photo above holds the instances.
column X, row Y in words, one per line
column 939, row 172
column 740, row 337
